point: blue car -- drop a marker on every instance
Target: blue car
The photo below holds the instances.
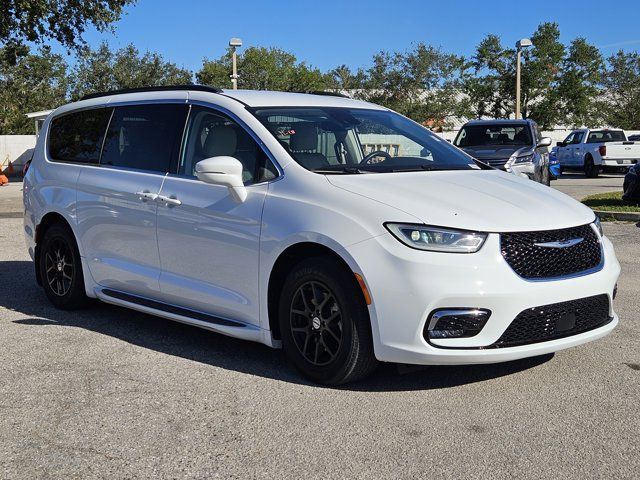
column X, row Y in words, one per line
column 554, row 164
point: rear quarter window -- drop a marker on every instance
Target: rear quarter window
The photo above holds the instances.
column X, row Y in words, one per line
column 78, row 136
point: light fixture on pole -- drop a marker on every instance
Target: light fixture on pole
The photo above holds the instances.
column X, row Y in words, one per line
column 520, row 44
column 234, row 43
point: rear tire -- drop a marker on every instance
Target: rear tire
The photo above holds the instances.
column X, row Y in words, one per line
column 324, row 323
column 61, row 269
column 590, row 169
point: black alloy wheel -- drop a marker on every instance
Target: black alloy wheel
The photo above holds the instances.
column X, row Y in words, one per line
column 60, row 268
column 324, row 322
column 316, row 323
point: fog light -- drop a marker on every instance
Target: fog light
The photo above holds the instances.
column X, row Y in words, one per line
column 456, row 322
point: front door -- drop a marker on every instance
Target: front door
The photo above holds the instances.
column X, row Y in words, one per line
column 564, row 153
column 116, row 200
column 208, row 241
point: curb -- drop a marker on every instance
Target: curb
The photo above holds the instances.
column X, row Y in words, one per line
column 11, row 214
column 620, row 216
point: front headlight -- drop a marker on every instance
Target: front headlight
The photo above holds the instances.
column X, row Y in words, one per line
column 437, row 239
column 598, row 226
column 523, row 159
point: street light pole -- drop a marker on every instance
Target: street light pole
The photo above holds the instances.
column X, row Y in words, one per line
column 234, row 43
column 520, row 44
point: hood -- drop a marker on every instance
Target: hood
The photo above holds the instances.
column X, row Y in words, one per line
column 482, row 200
column 497, row 152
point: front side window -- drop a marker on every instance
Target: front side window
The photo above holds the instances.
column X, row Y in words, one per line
column 349, row 140
column 213, row 134
column 77, row 137
column 494, row 135
column 577, row 138
column 144, row 137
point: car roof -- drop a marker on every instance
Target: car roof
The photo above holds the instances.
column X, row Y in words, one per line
column 498, row 121
column 250, row 98
column 263, row 98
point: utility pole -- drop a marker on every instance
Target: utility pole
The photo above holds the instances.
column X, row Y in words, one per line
column 520, row 44
column 234, row 43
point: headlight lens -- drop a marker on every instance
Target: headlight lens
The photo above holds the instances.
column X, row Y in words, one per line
column 598, row 226
column 524, row 159
column 437, row 239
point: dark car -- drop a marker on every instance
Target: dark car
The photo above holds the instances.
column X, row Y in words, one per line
column 515, row 146
column 631, row 186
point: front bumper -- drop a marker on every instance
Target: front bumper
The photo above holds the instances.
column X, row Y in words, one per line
column 406, row 285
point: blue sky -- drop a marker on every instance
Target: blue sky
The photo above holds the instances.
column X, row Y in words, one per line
column 328, row 33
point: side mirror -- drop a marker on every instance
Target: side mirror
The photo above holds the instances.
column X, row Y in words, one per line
column 544, row 142
column 561, row 144
column 225, row 171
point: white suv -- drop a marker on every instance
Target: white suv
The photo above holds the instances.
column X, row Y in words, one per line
column 337, row 229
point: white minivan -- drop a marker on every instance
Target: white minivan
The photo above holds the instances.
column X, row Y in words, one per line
column 336, row 229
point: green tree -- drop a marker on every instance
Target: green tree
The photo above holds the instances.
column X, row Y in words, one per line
column 342, row 78
column 102, row 70
column 62, row 20
column 489, row 79
column 621, row 91
column 423, row 83
column 579, row 85
column 261, row 68
column 541, row 73
column 29, row 82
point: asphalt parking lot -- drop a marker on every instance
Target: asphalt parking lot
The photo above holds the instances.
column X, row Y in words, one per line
column 107, row 392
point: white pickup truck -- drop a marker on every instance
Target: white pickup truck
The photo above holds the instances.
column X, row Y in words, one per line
column 594, row 150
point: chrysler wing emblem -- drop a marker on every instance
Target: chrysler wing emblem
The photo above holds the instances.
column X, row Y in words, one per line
column 560, row 244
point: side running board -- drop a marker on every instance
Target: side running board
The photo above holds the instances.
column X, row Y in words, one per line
column 171, row 309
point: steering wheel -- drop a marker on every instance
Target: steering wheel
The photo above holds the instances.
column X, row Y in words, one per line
column 378, row 153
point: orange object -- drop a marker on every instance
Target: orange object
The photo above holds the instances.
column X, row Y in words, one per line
column 3, row 179
column 363, row 287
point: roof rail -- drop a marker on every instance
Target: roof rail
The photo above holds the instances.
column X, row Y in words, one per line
column 168, row 88
column 328, row 94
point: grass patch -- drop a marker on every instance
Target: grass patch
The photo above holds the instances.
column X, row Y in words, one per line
column 610, row 202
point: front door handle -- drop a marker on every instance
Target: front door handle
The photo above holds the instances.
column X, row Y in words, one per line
column 146, row 195
column 169, row 200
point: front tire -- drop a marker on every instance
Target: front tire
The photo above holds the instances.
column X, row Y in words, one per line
column 324, row 323
column 61, row 269
column 590, row 169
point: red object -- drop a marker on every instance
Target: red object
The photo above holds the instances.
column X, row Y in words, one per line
column 603, row 150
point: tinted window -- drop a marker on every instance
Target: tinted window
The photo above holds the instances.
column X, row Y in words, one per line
column 606, row 136
column 577, row 138
column 212, row 134
column 77, row 137
column 494, row 135
column 144, row 137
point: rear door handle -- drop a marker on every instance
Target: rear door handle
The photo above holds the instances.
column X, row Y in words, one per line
column 169, row 200
column 144, row 196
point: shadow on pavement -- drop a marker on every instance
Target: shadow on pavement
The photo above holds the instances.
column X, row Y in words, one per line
column 19, row 292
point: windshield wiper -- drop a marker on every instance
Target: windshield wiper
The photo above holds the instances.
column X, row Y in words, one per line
column 421, row 168
column 341, row 170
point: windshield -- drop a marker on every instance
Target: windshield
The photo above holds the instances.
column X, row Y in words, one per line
column 517, row 135
column 346, row 140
